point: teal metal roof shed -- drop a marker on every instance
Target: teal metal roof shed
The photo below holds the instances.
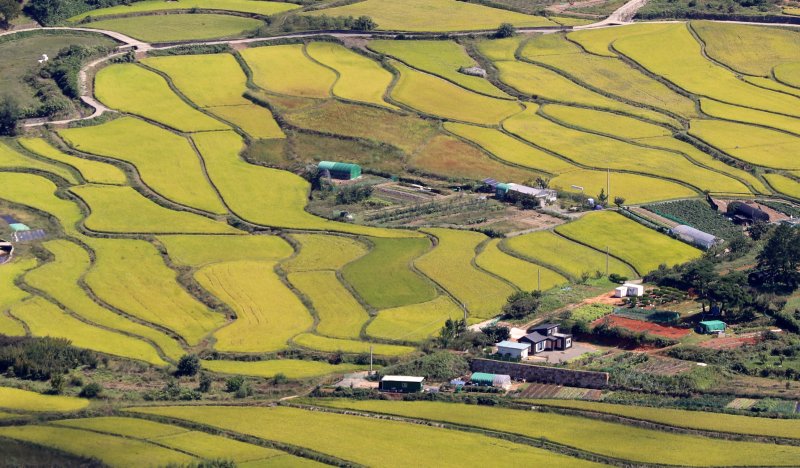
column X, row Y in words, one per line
column 340, row 170
column 711, row 326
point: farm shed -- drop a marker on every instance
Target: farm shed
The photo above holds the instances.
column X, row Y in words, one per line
column 634, row 289
column 746, row 214
column 401, row 384
column 514, row 192
column 491, row 380
column 513, row 349
column 711, row 326
column 620, row 291
column 338, row 170
column 695, row 236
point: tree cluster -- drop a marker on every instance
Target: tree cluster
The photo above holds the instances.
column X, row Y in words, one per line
column 50, row 12
column 41, row 358
column 9, row 10
column 351, row 194
column 522, row 304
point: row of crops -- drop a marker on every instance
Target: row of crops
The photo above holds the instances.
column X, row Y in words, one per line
column 697, row 214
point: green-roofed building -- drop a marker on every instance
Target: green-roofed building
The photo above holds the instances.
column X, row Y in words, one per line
column 711, row 326
column 338, row 170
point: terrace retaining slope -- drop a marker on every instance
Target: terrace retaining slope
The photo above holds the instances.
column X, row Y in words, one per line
column 542, row 374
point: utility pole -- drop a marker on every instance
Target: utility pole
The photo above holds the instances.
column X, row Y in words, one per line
column 607, row 254
column 370, row 359
column 539, row 279
column 608, row 183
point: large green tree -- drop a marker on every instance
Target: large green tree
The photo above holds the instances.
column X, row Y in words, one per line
column 10, row 113
column 9, row 10
column 779, row 261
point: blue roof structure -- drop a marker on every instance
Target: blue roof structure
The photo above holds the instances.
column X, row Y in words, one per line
column 512, row 345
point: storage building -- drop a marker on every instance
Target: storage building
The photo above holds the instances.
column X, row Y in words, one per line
column 513, row 349
column 515, row 192
column 746, row 214
column 634, row 289
column 695, row 236
column 401, row 384
column 338, row 170
column 711, row 326
column 491, row 380
column 621, row 291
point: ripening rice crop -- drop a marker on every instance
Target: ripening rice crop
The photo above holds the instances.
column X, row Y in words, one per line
column 92, row 171
column 39, row 193
column 384, row 277
column 789, row 73
column 434, row 15
column 702, row 420
column 266, row 196
column 60, row 279
column 610, row 75
column 285, row 69
column 10, row 158
column 414, row 322
column 197, row 251
column 603, row 152
column 441, row 58
column 435, row 96
column 359, row 78
column 753, row 50
column 323, row 252
column 259, row 7
column 291, row 368
column 173, row 28
column 750, row 116
column 524, row 275
column 544, row 83
column 334, row 345
column 599, row 41
column 563, row 255
column 634, row 188
column 675, row 55
column 770, row 83
column 268, row 313
column 123, row 209
column 606, row 438
column 131, row 276
column 607, row 229
column 205, row 79
column 605, row 122
column 755, row 145
column 131, row 88
column 44, row 318
column 23, row 400
column 501, row 49
column 784, row 185
column 340, row 314
column 110, row 450
column 370, row 441
column 449, row 264
column 158, row 156
column 10, row 293
column 126, row 427
column 509, row 149
column 256, row 121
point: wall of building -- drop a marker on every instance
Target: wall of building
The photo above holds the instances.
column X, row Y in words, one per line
column 542, row 374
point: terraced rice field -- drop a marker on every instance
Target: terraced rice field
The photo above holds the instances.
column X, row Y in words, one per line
column 91, row 171
column 750, row 116
column 359, row 78
column 335, row 345
column 384, row 278
column 44, row 318
column 440, row 58
column 340, row 315
column 60, row 280
column 501, row 49
column 524, row 275
column 434, row 15
column 600, row 41
column 321, row 252
column 39, row 193
column 291, row 368
column 131, row 88
column 260, row 7
column 449, row 264
column 414, row 322
column 784, row 185
column 753, row 50
column 593, row 150
column 605, row 122
column 198, row 251
column 268, row 313
column 173, row 28
column 256, row 121
column 751, row 144
column 702, row 420
column 788, row 73
column 205, row 79
column 144, row 145
column 10, row 158
column 366, row 441
column 563, row 255
column 131, row 276
column 613, row 231
column 285, row 69
column 605, row 438
column 111, row 208
column 438, row 97
column 634, row 188
column 11, row 293
column 111, row 450
column 23, row 400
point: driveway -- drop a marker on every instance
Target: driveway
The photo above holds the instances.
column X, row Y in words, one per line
column 554, row 357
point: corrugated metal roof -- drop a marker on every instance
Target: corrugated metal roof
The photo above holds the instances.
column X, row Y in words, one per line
column 402, row 378
column 512, row 345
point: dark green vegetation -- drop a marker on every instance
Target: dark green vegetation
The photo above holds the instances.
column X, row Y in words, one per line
column 708, row 8
column 50, row 12
column 41, row 358
column 699, row 215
